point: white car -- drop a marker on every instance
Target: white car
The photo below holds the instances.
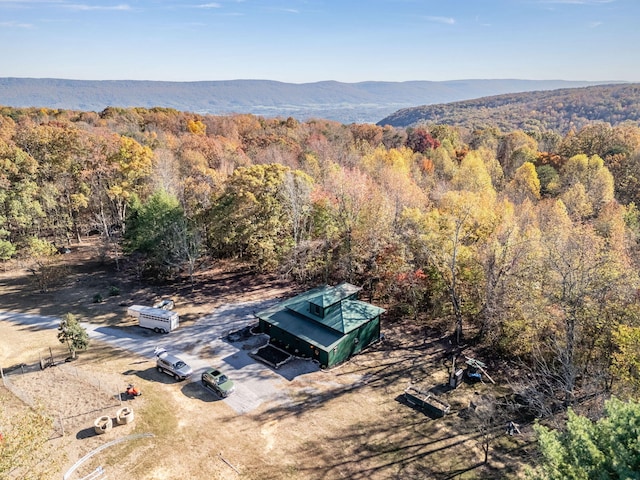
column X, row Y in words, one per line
column 172, row 365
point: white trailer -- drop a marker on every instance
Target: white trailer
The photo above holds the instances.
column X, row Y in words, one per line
column 157, row 319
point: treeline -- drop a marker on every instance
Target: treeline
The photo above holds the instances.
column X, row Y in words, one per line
column 526, row 242
column 558, row 110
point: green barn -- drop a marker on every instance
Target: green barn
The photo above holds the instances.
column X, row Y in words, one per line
column 328, row 324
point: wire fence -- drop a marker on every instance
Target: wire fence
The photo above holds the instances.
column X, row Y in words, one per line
column 106, row 393
column 22, row 395
column 110, row 388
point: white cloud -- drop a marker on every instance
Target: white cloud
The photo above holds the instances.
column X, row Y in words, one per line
column 446, row 20
column 579, row 2
column 15, row 25
column 209, row 5
column 29, row 2
column 82, row 7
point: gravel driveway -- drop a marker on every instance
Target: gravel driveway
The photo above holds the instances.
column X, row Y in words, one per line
column 201, row 345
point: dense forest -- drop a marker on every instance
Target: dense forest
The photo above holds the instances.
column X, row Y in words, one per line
column 524, row 242
column 557, row 110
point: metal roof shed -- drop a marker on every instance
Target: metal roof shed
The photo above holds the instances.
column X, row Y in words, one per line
column 327, row 323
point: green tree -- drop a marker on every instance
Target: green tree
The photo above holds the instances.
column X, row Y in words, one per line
column 549, row 179
column 42, row 262
column 252, row 218
column 148, row 222
column 159, row 229
column 73, row 334
column 606, row 449
column 20, row 208
column 7, row 250
column 626, row 358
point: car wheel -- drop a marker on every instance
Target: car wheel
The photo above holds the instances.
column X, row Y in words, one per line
column 160, row 370
column 177, row 376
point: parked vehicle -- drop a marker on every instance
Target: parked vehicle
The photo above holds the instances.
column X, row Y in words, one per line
column 172, row 365
column 218, row 382
column 157, row 319
column 165, row 304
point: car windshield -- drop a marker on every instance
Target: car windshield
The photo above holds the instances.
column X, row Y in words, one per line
column 181, row 364
column 222, row 379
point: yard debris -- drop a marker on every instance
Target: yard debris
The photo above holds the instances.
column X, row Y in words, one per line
column 477, row 364
column 228, row 463
column 513, row 428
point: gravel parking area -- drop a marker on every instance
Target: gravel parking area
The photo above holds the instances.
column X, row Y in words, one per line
column 203, row 344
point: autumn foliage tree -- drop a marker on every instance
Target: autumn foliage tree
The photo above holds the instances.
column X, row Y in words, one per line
column 522, row 240
column 420, row 140
column 25, row 452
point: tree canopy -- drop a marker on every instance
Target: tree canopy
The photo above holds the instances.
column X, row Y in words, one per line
column 608, row 448
column 73, row 334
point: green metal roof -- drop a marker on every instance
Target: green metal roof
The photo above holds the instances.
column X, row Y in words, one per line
column 308, row 331
column 295, row 316
column 331, row 295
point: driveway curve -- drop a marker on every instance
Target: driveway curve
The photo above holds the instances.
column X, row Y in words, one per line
column 201, row 345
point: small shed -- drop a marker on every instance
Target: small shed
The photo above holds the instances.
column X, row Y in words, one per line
column 328, row 324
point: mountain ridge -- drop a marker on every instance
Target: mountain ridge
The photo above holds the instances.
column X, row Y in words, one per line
column 558, row 110
column 361, row 102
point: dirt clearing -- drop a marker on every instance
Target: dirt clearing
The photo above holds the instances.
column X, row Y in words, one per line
column 348, row 422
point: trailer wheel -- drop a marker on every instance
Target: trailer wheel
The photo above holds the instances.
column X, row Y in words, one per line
column 156, row 329
column 162, row 330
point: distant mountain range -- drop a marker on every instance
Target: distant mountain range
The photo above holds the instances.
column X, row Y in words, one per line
column 558, row 110
column 365, row 102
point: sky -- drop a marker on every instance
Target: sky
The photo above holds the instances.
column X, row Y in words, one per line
column 303, row 41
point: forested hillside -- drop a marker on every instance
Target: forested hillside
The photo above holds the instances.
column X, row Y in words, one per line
column 363, row 102
column 523, row 243
column 557, row 110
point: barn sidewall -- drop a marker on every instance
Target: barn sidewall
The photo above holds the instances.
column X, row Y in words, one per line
column 355, row 341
